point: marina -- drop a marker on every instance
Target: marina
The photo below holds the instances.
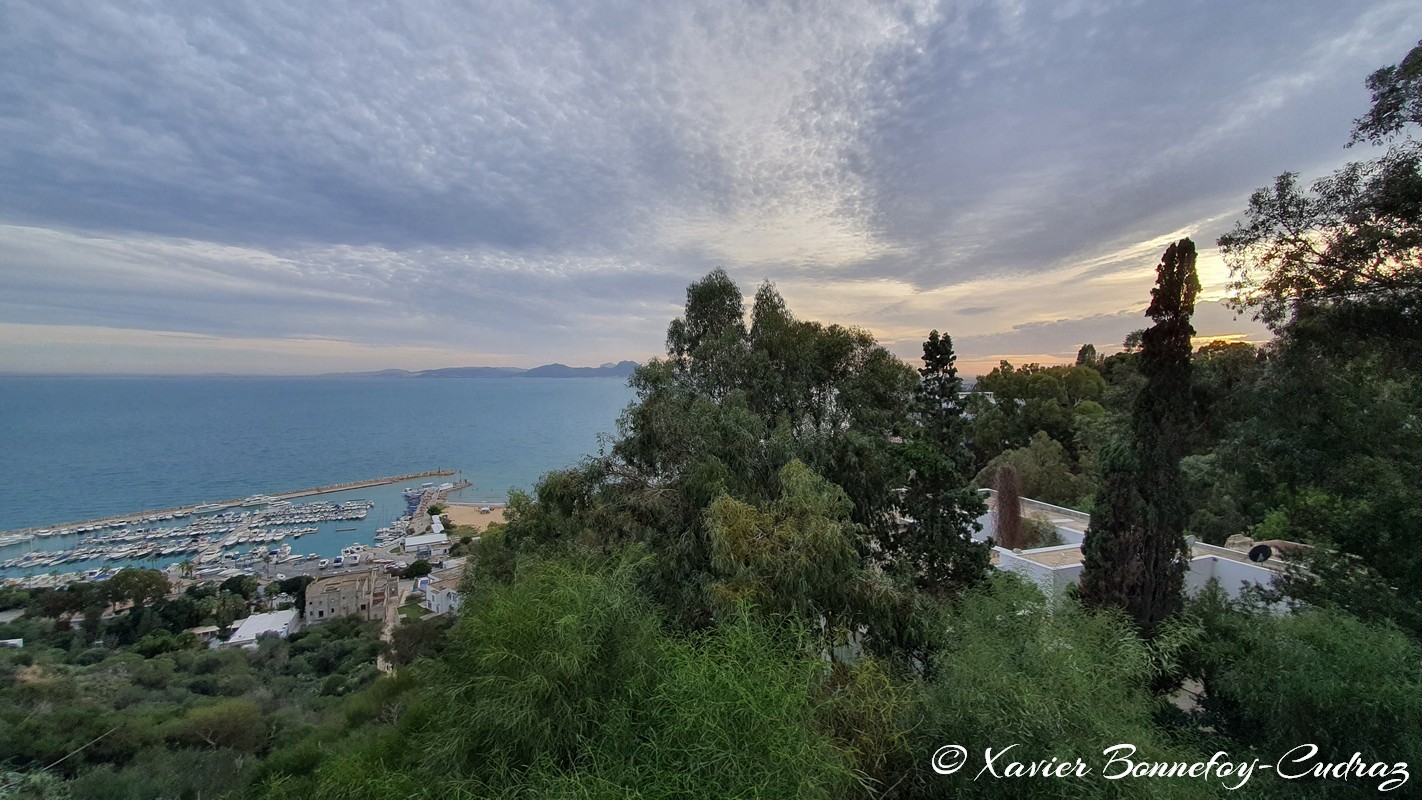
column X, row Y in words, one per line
column 181, row 512
column 214, row 540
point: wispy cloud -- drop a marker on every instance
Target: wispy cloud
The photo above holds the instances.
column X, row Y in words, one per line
column 526, row 181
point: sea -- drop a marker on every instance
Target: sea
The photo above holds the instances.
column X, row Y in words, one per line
column 75, row 448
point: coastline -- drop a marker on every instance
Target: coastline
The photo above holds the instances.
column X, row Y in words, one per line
column 225, row 504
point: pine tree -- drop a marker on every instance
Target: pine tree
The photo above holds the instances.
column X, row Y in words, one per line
column 936, row 547
column 1135, row 552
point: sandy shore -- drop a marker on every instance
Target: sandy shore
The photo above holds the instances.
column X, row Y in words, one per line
column 460, row 514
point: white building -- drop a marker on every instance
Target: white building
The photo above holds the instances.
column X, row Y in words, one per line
column 1055, row 568
column 442, row 590
column 427, row 546
column 275, row 623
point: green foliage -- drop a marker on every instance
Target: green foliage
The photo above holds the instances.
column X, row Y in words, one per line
column 1041, row 532
column 138, row 585
column 417, row 639
column 242, row 585
column 796, row 557
column 417, row 569
column 530, row 674
column 233, row 724
column 1044, row 472
column 563, row 683
column 722, row 415
column 728, row 716
column 1337, row 471
column 1273, row 682
column 1058, row 682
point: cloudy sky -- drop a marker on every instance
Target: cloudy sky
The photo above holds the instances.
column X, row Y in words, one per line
column 305, row 187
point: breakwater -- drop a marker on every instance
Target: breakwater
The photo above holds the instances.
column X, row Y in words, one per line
column 23, row 534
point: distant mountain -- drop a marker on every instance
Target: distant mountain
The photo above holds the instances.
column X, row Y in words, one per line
column 621, row 369
column 471, row 372
column 384, row 373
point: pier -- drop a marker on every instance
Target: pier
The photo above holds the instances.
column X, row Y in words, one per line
column 23, row 533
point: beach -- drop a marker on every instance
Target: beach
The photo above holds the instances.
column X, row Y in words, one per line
column 469, row 514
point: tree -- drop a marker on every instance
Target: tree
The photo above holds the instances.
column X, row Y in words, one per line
column 934, row 546
column 1007, row 532
column 237, row 724
column 1135, row 553
column 243, row 585
column 1352, row 242
column 138, row 585
column 1042, row 470
column 1086, row 356
column 1048, row 677
column 796, row 556
column 1377, row 711
column 418, row 569
column 417, row 639
column 702, row 343
column 723, row 414
column 1397, row 100
column 1336, row 270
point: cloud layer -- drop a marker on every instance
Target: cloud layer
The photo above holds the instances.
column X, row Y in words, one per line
column 294, row 187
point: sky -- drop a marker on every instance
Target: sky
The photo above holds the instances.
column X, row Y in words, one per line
column 294, row 188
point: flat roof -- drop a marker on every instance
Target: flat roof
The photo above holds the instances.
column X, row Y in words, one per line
column 428, row 538
column 1072, row 556
column 258, row 624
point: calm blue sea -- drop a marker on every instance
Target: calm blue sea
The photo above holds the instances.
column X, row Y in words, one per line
column 81, row 448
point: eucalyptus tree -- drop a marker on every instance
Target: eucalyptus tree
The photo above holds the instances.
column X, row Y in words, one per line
column 1335, row 269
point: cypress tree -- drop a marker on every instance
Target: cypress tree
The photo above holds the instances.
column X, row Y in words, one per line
column 1008, row 530
column 1135, row 552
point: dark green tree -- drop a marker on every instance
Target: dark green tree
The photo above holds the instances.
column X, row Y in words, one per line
column 1351, row 244
column 1397, row 100
column 1086, row 356
column 1335, row 269
column 418, row 569
column 933, row 544
column 244, row 585
column 1043, row 472
column 1135, row 552
column 703, row 343
column 138, row 585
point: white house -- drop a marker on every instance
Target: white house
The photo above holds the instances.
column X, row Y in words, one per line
column 275, row 623
column 1055, row 568
column 442, row 590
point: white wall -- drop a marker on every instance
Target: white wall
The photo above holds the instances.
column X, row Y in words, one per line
column 1233, row 575
column 988, row 522
column 1052, row 581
